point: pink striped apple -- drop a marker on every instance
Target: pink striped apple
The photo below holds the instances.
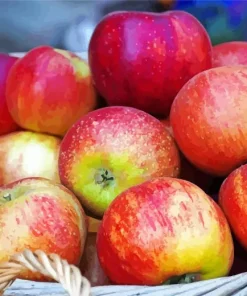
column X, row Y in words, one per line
column 49, row 89
column 163, row 228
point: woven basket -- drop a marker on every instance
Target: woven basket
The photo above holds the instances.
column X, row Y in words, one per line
column 75, row 284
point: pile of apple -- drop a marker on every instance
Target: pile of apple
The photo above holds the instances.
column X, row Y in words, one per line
column 133, row 137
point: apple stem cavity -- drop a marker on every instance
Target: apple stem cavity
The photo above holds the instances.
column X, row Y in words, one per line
column 183, row 279
column 103, row 177
column 7, row 197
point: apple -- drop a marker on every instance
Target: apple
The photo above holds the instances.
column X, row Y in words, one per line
column 36, row 213
column 90, row 266
column 163, row 228
column 111, row 149
column 142, row 59
column 7, row 124
column 27, row 154
column 188, row 171
column 49, row 89
column 231, row 53
column 233, row 200
column 209, row 122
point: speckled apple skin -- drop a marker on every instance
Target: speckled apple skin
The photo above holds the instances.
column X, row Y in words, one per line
column 209, row 122
column 41, row 215
column 131, row 144
column 142, row 59
column 188, row 171
column 232, row 53
column 162, row 228
column 49, row 89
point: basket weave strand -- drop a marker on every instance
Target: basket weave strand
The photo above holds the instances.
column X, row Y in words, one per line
column 52, row 265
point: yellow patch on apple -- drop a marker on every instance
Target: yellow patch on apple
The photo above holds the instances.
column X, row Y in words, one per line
column 100, row 178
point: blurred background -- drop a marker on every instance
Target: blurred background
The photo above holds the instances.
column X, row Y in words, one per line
column 25, row 24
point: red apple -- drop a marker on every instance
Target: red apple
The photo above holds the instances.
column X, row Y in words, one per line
column 188, row 171
column 209, row 121
column 233, row 200
column 232, row 53
column 27, row 154
column 7, row 124
column 90, row 266
column 142, row 59
column 112, row 149
column 49, row 89
column 162, row 228
column 36, row 213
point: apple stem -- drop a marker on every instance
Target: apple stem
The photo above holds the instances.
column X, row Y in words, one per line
column 183, row 279
column 103, row 177
column 7, row 196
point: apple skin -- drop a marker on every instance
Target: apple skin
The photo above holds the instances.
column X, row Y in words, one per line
column 90, row 266
column 208, row 119
column 187, row 170
column 233, row 199
column 161, row 221
column 41, row 215
column 27, row 154
column 7, row 124
column 232, row 53
column 49, row 89
column 124, row 144
column 142, row 59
